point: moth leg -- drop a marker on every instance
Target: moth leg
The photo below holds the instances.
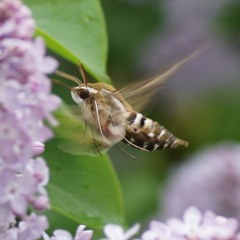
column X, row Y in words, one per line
column 129, row 141
column 128, row 154
column 134, row 144
column 98, row 119
column 95, row 143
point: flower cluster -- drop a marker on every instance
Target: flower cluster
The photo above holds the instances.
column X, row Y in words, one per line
column 60, row 234
column 210, row 179
column 111, row 232
column 25, row 103
column 195, row 225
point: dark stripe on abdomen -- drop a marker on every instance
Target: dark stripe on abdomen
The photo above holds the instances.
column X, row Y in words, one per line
column 148, row 134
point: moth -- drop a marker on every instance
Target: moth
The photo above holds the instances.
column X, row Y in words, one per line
column 111, row 117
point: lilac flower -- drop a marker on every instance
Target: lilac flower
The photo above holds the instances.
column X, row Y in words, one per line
column 17, row 190
column 209, row 180
column 194, row 226
column 7, row 218
column 39, row 171
column 14, row 141
column 116, row 232
column 218, row 227
column 157, row 231
column 60, row 234
column 38, row 148
column 14, row 192
column 26, row 103
column 30, row 228
column 83, row 234
column 15, row 21
column 190, row 226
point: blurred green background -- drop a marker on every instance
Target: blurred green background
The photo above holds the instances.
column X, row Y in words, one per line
column 199, row 104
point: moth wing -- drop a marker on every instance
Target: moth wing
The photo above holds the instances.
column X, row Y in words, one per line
column 139, row 94
column 74, row 136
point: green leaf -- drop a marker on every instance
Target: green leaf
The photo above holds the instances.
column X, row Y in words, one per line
column 75, row 30
column 84, row 188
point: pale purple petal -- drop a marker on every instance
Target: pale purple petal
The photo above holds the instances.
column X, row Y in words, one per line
column 40, row 202
column 116, row 232
column 14, row 141
column 132, row 231
column 38, row 148
column 45, row 236
column 192, row 217
column 113, row 231
column 225, row 228
column 6, row 217
column 9, row 94
column 61, row 235
column 16, row 20
column 82, row 234
column 177, row 226
column 157, row 231
column 32, row 227
column 207, row 226
column 47, row 64
column 9, row 234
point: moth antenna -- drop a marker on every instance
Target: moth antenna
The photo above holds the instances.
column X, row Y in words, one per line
column 80, row 67
column 61, row 83
column 68, row 77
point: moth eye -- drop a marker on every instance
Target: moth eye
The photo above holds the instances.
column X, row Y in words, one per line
column 83, row 94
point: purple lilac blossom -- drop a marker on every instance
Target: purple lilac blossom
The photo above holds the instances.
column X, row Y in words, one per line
column 30, row 228
column 38, row 148
column 60, row 234
column 116, row 232
column 16, row 20
column 25, row 103
column 82, row 234
column 210, row 179
column 194, row 226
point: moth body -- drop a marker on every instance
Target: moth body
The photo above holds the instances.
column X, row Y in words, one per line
column 113, row 119
column 103, row 112
column 109, row 114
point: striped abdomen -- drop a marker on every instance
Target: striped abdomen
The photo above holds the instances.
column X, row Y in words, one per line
column 148, row 134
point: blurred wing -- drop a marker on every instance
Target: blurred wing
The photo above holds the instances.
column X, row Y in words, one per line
column 139, row 94
column 74, row 136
